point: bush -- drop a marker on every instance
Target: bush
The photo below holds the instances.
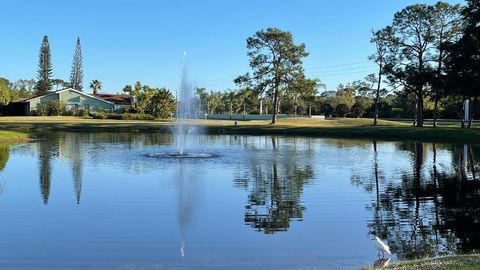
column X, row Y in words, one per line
column 136, row 116
column 326, row 109
column 41, row 110
column 85, row 113
column 51, row 108
column 99, row 115
column 125, row 116
column 342, row 109
column 357, row 110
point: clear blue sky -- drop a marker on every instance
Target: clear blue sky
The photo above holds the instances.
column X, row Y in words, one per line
column 124, row 41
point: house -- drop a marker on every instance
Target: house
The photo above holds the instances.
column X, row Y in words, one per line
column 75, row 100
column 122, row 102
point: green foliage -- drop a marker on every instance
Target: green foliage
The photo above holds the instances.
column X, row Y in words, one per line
column 4, row 91
column 276, row 62
column 162, row 104
column 123, row 116
column 96, row 86
column 76, row 75
column 51, row 108
column 358, row 109
column 56, row 107
column 342, row 110
column 345, row 95
column 326, row 109
column 158, row 102
column 4, row 155
column 44, row 83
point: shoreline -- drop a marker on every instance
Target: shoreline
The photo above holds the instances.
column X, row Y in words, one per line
column 336, row 128
column 452, row 262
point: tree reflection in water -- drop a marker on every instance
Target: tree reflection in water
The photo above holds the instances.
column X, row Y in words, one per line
column 275, row 179
column 432, row 210
column 76, row 146
column 4, row 155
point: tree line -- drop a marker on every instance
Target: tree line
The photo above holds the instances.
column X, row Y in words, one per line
column 428, row 61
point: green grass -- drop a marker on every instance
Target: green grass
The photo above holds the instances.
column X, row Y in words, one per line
column 459, row 262
column 341, row 128
column 6, row 136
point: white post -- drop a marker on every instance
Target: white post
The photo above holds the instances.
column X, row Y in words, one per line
column 261, row 105
column 466, row 108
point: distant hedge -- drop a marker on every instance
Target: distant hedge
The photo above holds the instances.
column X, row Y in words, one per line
column 123, row 116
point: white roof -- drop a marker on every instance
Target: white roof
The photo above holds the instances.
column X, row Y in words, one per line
column 73, row 90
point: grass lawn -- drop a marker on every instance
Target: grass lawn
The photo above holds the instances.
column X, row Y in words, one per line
column 460, row 262
column 7, row 136
column 340, row 127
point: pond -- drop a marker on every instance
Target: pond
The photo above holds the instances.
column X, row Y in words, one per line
column 102, row 201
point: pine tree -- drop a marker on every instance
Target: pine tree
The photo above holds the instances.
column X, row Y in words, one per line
column 76, row 76
column 44, row 83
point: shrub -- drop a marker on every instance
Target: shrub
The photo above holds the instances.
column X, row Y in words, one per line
column 342, row 109
column 357, row 110
column 99, row 115
column 56, row 107
column 125, row 116
column 41, row 110
column 85, row 113
column 137, row 116
column 326, row 109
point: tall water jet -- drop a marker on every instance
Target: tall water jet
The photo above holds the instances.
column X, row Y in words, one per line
column 184, row 130
column 184, row 99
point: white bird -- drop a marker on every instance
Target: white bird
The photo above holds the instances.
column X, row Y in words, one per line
column 382, row 247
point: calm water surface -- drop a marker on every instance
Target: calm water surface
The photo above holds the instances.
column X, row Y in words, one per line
column 96, row 201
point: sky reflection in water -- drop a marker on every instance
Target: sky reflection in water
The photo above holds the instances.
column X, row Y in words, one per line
column 89, row 200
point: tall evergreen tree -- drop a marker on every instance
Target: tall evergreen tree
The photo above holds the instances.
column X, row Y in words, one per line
column 276, row 62
column 76, row 76
column 463, row 58
column 44, row 83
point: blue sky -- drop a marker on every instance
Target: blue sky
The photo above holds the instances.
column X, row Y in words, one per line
column 124, row 41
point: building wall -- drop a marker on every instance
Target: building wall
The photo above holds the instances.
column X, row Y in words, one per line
column 73, row 100
column 34, row 102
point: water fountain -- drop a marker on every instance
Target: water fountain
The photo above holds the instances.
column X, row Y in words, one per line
column 184, row 130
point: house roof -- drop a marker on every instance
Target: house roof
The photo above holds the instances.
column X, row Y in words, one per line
column 118, row 99
column 69, row 89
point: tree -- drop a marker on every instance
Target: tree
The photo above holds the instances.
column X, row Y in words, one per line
column 203, row 100
column 57, row 82
column 342, row 109
column 304, row 91
column 410, row 43
column 276, row 61
column 326, row 109
column 380, row 39
column 447, row 29
column 96, row 86
column 463, row 57
column 345, row 94
column 44, row 83
column 22, row 89
column 162, row 103
column 4, row 91
column 76, row 76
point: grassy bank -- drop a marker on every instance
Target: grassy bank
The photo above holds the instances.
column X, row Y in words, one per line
column 12, row 136
column 460, row 262
column 343, row 128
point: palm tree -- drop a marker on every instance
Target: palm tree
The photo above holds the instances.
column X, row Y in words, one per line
column 96, row 85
